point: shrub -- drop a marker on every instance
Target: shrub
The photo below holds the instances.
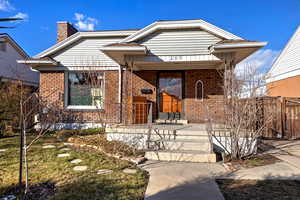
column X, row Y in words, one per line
column 10, row 99
column 109, row 147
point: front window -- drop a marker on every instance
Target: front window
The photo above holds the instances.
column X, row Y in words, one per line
column 86, row 89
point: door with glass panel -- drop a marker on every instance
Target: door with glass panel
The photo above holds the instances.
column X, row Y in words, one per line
column 170, row 95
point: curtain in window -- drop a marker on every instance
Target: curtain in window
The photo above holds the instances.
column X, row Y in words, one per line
column 85, row 89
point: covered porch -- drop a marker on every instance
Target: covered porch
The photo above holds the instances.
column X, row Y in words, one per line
column 174, row 89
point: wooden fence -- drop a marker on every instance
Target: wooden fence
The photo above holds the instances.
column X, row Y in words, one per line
column 283, row 117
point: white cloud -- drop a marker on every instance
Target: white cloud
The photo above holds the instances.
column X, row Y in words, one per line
column 23, row 16
column 5, row 5
column 85, row 23
column 253, row 70
column 261, row 60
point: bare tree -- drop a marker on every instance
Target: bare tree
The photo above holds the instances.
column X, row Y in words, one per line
column 48, row 114
column 243, row 120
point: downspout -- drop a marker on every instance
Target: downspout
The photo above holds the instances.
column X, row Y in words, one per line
column 120, row 94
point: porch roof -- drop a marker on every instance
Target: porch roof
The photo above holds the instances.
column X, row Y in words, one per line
column 119, row 51
column 239, row 48
column 138, row 57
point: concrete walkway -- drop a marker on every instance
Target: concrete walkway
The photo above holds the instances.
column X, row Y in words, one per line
column 285, row 150
column 178, row 181
column 278, row 171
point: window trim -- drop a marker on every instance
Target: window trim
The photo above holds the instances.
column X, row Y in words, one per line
column 196, row 90
column 80, row 107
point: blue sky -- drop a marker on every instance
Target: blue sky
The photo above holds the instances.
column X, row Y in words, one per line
column 264, row 20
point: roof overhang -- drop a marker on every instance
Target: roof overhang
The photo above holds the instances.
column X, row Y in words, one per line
column 79, row 35
column 241, row 50
column 38, row 62
column 120, row 53
column 5, row 37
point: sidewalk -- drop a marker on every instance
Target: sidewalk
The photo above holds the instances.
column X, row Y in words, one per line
column 288, row 169
column 177, row 181
column 288, row 151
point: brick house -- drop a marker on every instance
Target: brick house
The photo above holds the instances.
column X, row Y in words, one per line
column 283, row 78
column 168, row 68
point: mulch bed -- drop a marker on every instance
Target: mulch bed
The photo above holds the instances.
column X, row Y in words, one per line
column 39, row 191
column 255, row 161
column 259, row 189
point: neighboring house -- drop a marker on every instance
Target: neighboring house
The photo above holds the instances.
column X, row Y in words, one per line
column 10, row 70
column 284, row 76
column 171, row 65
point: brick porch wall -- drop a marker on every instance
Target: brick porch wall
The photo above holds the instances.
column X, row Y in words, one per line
column 195, row 110
column 138, row 80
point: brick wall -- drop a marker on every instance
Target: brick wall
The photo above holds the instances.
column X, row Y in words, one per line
column 138, row 80
column 52, row 90
column 52, row 87
column 195, row 109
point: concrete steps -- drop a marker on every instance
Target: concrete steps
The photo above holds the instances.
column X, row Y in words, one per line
column 181, row 156
column 174, row 144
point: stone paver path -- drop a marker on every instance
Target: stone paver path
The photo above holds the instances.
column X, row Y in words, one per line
column 3, row 150
column 63, row 155
column 129, row 171
column 179, row 180
column 76, row 161
column 104, row 171
column 65, row 149
column 80, row 168
column 50, row 146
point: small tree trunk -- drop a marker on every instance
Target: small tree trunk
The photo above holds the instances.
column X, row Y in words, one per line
column 21, row 147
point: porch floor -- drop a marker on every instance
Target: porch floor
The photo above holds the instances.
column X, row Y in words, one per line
column 171, row 127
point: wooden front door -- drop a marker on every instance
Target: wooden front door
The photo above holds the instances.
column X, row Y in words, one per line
column 170, row 93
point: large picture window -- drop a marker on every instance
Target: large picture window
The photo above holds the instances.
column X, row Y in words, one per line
column 86, row 89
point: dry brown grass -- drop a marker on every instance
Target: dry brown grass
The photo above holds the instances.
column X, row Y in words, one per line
column 45, row 166
column 260, row 189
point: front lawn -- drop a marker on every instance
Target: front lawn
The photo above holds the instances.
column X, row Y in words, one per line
column 45, row 166
column 259, row 189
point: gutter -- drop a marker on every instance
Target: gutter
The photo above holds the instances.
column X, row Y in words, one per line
column 215, row 48
column 116, row 48
column 29, row 62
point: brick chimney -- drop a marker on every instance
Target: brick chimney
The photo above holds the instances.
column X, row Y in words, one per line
column 65, row 30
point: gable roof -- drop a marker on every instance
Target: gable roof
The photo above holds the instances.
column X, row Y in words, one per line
column 14, row 44
column 181, row 24
column 79, row 35
column 287, row 63
column 134, row 34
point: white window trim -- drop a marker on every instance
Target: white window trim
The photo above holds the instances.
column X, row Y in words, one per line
column 196, row 90
column 79, row 107
column 71, row 107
